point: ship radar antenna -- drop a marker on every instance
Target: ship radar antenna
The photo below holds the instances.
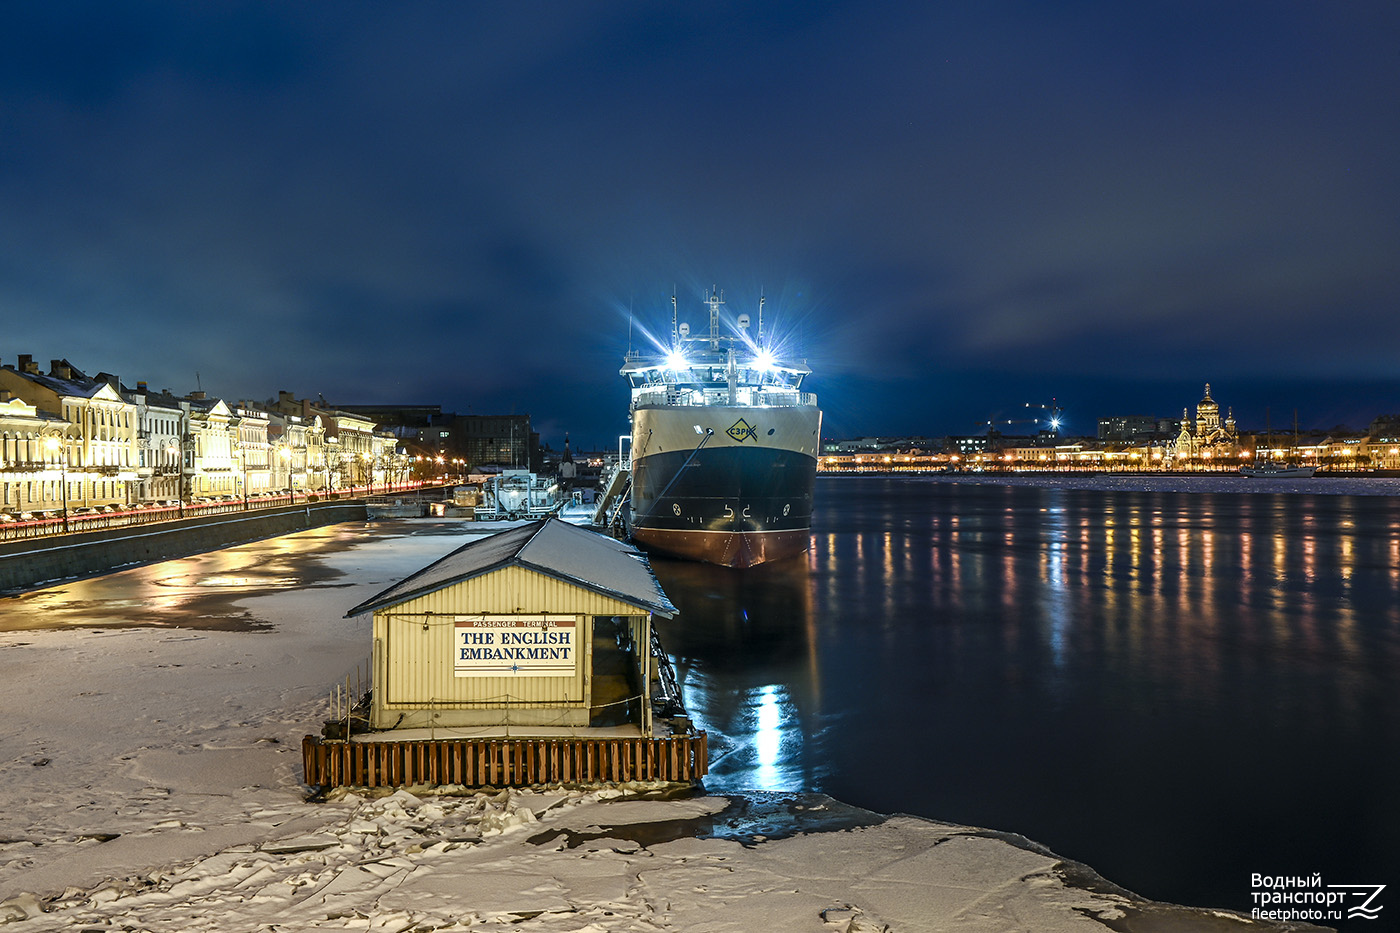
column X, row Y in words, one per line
column 716, row 299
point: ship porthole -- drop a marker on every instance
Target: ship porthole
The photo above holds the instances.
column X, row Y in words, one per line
column 676, row 508
column 787, row 507
column 770, row 431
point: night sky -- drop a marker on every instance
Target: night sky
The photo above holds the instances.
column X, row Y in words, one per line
column 953, row 209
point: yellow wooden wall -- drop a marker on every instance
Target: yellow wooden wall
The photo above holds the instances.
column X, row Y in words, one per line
column 413, row 651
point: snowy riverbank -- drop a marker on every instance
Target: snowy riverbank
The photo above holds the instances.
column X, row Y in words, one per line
column 603, row 860
column 151, row 775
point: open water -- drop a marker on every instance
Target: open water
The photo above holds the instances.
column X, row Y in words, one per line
column 1179, row 689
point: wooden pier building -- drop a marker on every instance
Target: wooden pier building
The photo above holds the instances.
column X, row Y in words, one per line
column 523, row 657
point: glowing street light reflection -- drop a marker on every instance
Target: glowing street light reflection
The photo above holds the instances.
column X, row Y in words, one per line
column 768, row 739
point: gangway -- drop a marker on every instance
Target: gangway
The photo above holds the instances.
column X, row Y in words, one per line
column 618, row 485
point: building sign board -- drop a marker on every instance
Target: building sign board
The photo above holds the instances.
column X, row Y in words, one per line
column 514, row 646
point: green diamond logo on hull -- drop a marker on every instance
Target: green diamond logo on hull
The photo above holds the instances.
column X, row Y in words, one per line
column 741, row 431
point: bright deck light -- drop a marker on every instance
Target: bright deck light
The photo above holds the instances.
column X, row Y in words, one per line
column 763, row 361
column 675, row 360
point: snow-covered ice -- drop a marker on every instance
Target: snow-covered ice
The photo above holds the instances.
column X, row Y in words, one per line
column 449, row 859
column 150, row 779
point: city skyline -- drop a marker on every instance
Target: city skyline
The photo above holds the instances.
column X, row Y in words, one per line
column 1014, row 420
column 951, row 212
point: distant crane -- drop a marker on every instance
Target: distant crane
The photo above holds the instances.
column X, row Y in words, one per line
column 991, row 424
column 1051, row 421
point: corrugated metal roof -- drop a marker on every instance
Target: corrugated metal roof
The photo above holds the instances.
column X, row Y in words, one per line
column 549, row 546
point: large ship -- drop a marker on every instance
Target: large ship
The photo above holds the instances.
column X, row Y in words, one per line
column 724, row 446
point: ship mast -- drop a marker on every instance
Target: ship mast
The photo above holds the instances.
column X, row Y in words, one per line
column 716, row 300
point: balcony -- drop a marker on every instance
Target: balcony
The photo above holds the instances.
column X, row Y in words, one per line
column 26, row 466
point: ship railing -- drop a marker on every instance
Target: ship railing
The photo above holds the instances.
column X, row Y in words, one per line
column 787, row 399
column 747, row 396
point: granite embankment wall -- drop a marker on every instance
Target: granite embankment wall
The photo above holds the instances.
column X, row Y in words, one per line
column 32, row 562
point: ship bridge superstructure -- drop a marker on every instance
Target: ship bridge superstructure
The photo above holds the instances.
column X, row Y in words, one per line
column 730, row 369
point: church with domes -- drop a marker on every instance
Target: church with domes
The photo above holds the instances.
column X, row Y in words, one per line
column 1208, row 433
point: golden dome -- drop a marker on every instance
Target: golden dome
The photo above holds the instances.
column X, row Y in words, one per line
column 1207, row 403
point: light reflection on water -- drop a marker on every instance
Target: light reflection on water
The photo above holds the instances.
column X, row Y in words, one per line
column 768, row 729
column 1175, row 688
column 205, row 590
column 749, row 668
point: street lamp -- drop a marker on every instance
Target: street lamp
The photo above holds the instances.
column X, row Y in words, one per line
column 179, row 476
column 56, row 445
column 285, row 454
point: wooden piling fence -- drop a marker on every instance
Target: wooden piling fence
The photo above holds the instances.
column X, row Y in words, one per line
column 502, row 762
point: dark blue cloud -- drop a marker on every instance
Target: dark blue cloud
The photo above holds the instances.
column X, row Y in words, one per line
column 953, row 209
column 88, row 54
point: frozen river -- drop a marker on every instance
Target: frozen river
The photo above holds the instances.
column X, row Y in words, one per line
column 1180, row 681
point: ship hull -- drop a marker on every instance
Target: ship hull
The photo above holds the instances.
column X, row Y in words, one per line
column 1273, row 472
column 739, row 549
column 734, row 496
